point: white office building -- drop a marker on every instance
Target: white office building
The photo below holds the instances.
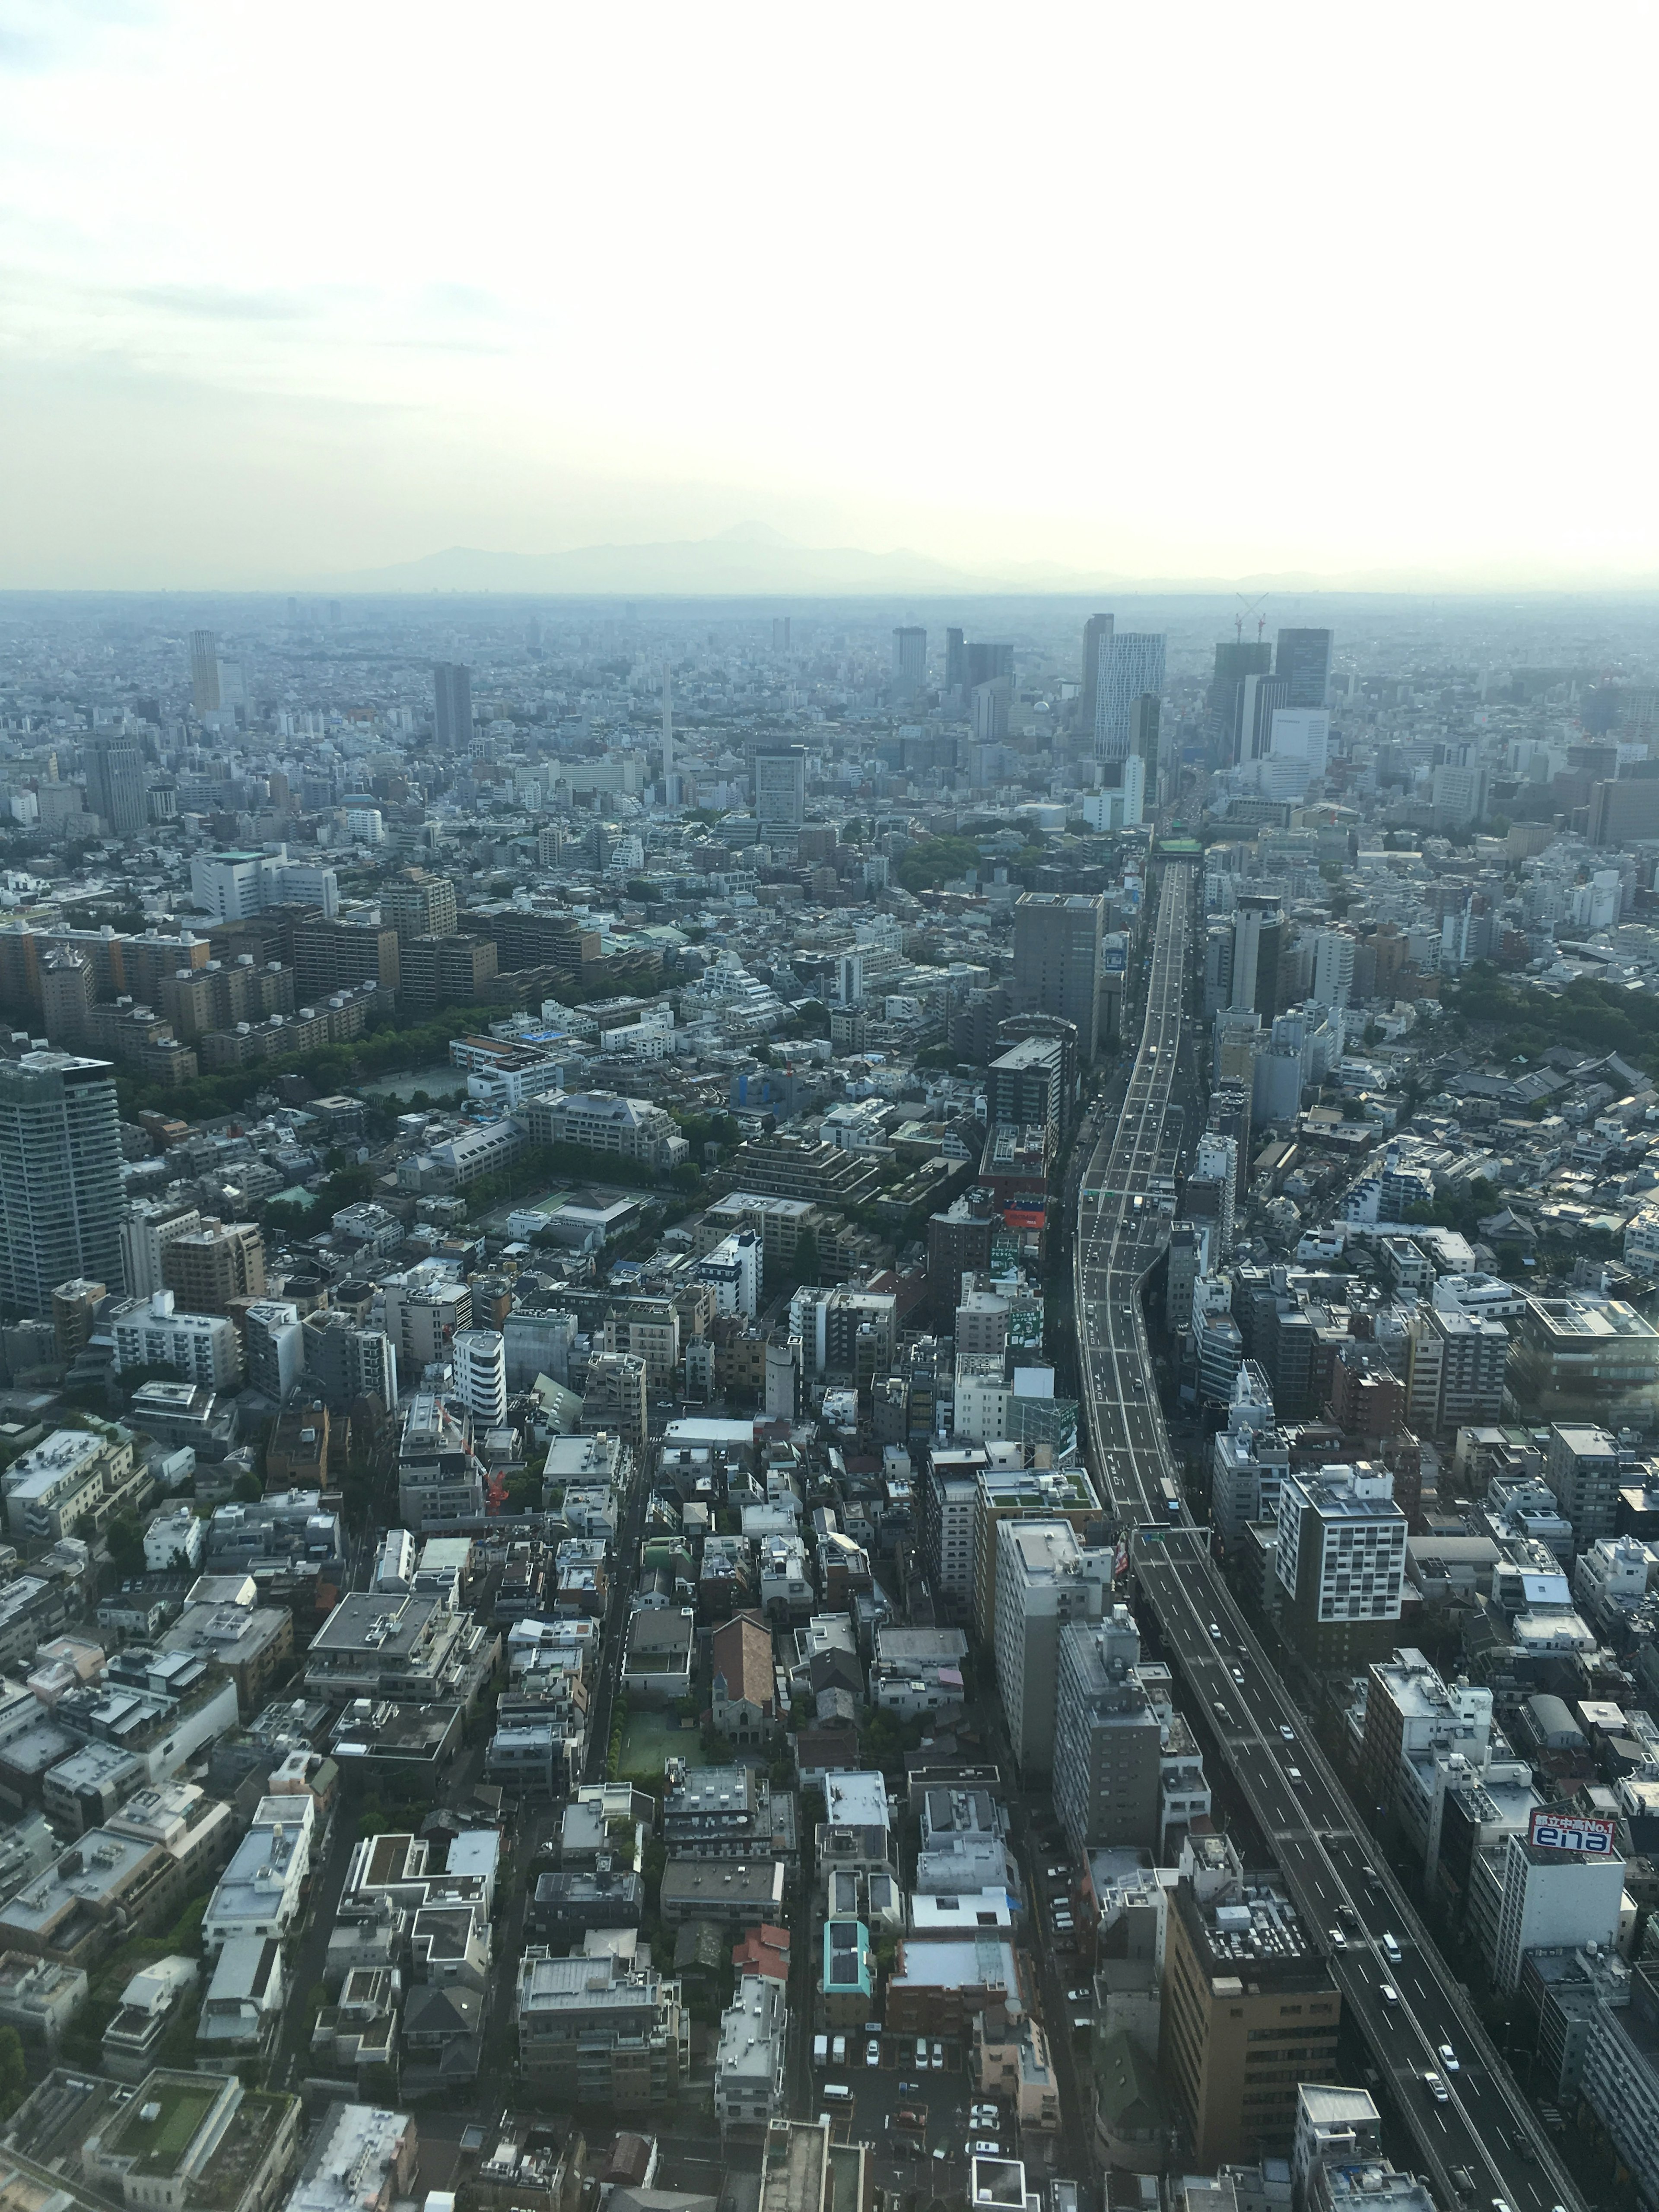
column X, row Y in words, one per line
column 1553, row 1900
column 479, row 1357
column 733, row 1268
column 1044, row 1579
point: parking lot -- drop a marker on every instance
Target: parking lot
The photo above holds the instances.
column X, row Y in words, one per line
column 898, row 2083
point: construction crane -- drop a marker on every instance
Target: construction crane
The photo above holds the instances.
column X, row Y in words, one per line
column 1248, row 607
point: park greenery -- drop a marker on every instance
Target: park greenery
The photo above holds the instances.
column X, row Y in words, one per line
column 1589, row 1017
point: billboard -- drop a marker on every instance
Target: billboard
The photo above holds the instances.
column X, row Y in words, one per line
column 1117, row 960
column 1569, row 1832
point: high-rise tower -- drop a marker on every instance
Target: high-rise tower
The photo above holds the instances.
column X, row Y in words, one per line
column 1304, row 657
column 452, row 726
column 1097, row 626
column 204, row 671
column 1131, row 666
column 60, row 1176
column 115, row 785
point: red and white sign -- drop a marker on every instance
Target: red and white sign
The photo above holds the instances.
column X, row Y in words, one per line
column 1569, row 1832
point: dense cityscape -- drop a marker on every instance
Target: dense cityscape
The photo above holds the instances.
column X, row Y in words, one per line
column 827, row 1406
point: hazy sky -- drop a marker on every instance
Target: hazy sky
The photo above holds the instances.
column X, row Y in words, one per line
column 1153, row 290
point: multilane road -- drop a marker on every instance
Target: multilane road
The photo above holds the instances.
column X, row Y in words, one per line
column 1410, row 2007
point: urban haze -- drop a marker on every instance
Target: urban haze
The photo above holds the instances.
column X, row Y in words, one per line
column 829, row 1113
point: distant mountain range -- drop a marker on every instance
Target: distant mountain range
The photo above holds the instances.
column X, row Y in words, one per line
column 747, row 561
column 751, row 561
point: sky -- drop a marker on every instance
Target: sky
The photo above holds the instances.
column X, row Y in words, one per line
column 1192, row 292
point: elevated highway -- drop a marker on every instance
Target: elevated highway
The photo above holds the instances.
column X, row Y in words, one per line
column 1409, row 2007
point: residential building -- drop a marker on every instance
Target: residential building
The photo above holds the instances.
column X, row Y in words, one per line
column 617, row 1399
column 750, row 2058
column 260, row 1892
column 1454, row 1368
column 72, row 1477
column 40, row 1998
column 203, row 1348
column 1044, row 1579
column 60, row 1177
column 1582, row 1469
column 147, row 1228
column 598, row 2032
column 443, row 972
column 1339, row 1562
column 1579, row 1360
column 1108, row 1739
column 451, row 718
column 440, row 1480
column 401, row 1650
column 416, row 904
column 779, row 788
column 749, row 1894
column 604, row 1121
column 480, row 1364
column 211, row 1262
column 273, row 1347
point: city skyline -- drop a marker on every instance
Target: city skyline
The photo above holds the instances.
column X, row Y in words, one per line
column 283, row 373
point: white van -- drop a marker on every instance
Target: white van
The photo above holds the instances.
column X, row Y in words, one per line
column 820, row 2051
column 838, row 2092
column 838, row 2051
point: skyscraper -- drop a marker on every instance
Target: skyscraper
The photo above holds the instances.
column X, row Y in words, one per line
column 204, row 671
column 1258, row 932
column 1304, row 656
column 115, row 785
column 909, row 661
column 1144, row 720
column 1131, row 666
column 670, row 794
column 984, row 662
column 1057, row 960
column 60, row 1176
column 1260, row 698
column 956, row 660
column 452, row 726
column 780, row 787
column 1233, row 663
column 1097, row 626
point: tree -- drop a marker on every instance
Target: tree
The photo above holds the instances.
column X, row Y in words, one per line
column 249, row 1489
column 126, row 1545
column 807, row 1263
column 14, row 2078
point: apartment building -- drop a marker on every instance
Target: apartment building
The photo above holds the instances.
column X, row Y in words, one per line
column 598, row 2032
column 1108, row 1738
column 1339, row 1562
column 203, row 1348
column 1044, row 1579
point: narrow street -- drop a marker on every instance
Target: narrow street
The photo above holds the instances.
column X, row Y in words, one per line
column 625, row 1573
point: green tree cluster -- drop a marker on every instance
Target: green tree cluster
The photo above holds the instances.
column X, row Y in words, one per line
column 936, row 860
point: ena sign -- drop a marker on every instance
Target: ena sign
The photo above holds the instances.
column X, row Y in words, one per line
column 1569, row 1832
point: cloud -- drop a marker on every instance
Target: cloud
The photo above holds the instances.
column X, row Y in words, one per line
column 219, row 303
column 45, row 34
